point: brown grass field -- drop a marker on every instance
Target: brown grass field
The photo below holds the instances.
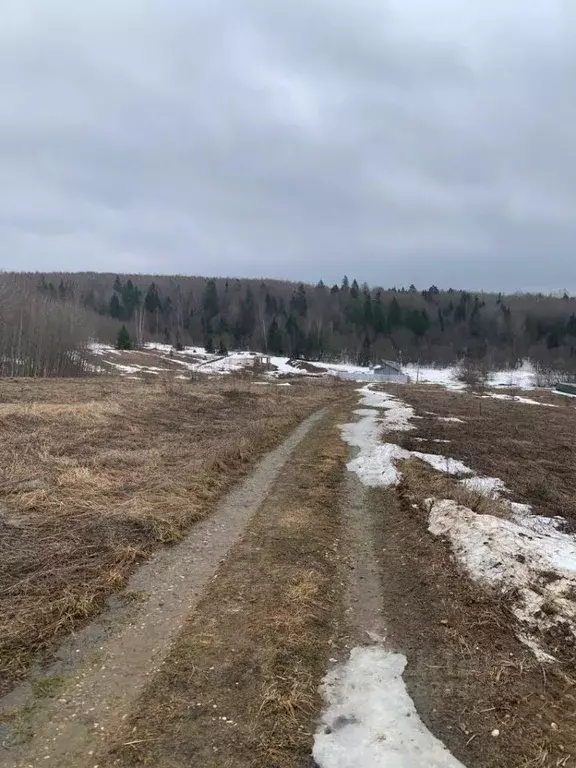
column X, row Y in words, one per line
column 96, row 473
column 531, row 448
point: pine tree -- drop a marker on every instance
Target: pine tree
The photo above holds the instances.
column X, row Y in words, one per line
column 222, row 349
column 123, row 340
column 209, row 345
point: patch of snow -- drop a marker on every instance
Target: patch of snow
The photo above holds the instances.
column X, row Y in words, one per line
column 487, row 486
column 335, row 368
column 540, row 653
column 443, row 463
column 398, row 414
column 283, row 367
column 445, row 377
column 370, row 721
column 155, row 369
column 524, row 377
column 376, row 467
column 375, row 461
column 451, row 419
column 518, row 399
column 522, row 514
column 519, row 378
column 102, row 349
column 564, row 394
column 126, row 368
column 159, row 347
column 539, row 566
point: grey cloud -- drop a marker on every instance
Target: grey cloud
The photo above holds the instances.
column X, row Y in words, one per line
column 400, row 142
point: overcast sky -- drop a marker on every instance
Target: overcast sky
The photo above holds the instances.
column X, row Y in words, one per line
column 398, row 141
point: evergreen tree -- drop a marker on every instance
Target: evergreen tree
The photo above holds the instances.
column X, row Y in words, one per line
column 368, row 313
column 209, row 345
column 210, row 303
column 378, row 315
column 115, row 309
column 274, row 340
column 365, row 356
column 394, row 314
column 152, row 299
column 123, row 340
column 247, row 318
column 131, row 298
column 441, row 319
column 222, row 349
column 298, row 302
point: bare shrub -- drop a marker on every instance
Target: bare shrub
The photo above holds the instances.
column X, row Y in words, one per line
column 38, row 335
column 473, row 372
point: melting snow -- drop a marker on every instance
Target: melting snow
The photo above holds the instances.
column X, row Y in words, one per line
column 528, row 556
column 451, row 419
column 369, row 719
column 487, row 486
column 445, row 377
column 518, row 399
column 375, row 461
column 102, row 349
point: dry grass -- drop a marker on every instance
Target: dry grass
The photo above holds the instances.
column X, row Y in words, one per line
column 531, row 448
column 425, row 482
column 97, row 472
column 257, row 646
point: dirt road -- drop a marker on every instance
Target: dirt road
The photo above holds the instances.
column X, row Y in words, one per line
column 102, row 670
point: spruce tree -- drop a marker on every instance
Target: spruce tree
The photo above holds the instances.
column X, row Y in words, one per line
column 274, row 338
column 115, row 308
column 123, row 340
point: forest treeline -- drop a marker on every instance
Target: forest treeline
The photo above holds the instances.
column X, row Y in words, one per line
column 342, row 321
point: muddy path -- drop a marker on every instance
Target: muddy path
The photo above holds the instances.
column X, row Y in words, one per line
column 65, row 714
